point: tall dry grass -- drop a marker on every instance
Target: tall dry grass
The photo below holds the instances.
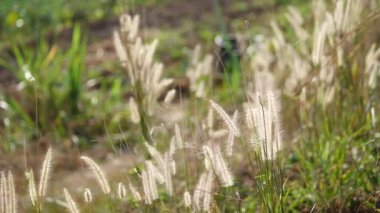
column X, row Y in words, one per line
column 191, row 166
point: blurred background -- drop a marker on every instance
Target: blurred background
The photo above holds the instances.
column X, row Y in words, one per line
column 60, row 78
column 62, row 85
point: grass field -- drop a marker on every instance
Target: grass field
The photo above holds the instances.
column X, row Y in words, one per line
column 190, row 106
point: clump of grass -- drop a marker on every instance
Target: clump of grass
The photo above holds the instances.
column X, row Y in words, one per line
column 186, row 169
column 330, row 89
column 49, row 88
column 143, row 72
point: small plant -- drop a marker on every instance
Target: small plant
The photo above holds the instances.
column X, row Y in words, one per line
column 49, row 86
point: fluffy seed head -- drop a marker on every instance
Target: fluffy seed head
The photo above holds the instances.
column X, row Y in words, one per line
column 121, row 191
column 32, row 188
column 168, row 174
column 208, row 191
column 87, row 195
column 136, row 195
column 71, row 205
column 170, row 96
column 187, row 199
column 226, row 118
column 135, row 115
column 45, row 173
column 178, row 137
column 100, row 177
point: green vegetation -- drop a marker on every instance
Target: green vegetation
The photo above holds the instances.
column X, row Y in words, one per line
column 289, row 124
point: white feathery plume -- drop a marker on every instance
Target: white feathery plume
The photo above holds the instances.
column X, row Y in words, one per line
column 12, row 203
column 71, row 205
column 199, row 192
column 2, row 192
column 152, row 184
column 372, row 66
column 219, row 133
column 263, row 118
column 210, row 119
column 219, row 165
column 136, row 195
column 196, row 55
column 208, row 164
column 226, row 118
column 230, row 144
column 187, row 199
column 172, row 147
column 173, row 166
column 146, row 187
column 121, row 191
column 268, row 126
column 274, row 107
column 170, row 96
column 162, row 85
column 278, row 34
column 168, row 174
column 209, row 156
column 222, row 171
column 231, row 137
column 100, row 177
column 148, row 58
column 155, row 172
column 32, row 188
column 120, row 50
column 134, row 110
column 87, row 195
column 134, row 26
column 137, row 59
column 129, row 25
column 248, row 115
column 45, row 173
column 199, row 72
column 320, row 34
column 178, row 137
column 208, row 191
column 156, row 156
column 125, row 22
